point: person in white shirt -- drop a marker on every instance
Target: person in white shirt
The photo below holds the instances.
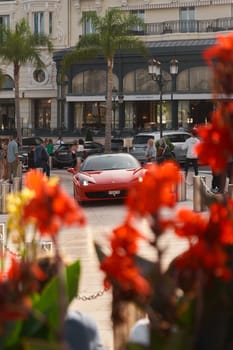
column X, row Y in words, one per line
column 150, row 152
column 191, row 155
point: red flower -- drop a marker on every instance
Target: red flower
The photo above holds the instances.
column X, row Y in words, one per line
column 121, row 270
column 16, row 289
column 216, row 146
column 156, row 190
column 120, row 266
column 51, row 207
column 211, row 259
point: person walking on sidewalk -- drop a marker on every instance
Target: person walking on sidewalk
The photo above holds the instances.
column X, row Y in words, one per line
column 3, row 161
column 41, row 158
column 12, row 158
column 150, row 151
column 191, row 156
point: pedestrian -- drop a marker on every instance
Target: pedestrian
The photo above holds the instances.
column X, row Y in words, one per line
column 3, row 160
column 74, row 152
column 80, row 153
column 12, row 157
column 181, row 127
column 191, row 155
column 49, row 147
column 58, row 143
column 150, row 151
column 41, row 158
column 164, row 150
column 81, row 332
column 31, row 156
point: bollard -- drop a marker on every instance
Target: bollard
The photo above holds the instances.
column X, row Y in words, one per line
column 5, row 190
column 2, row 238
column 198, row 202
column 50, row 162
column 230, row 190
column 19, row 169
column 1, row 182
column 17, row 184
column 181, row 191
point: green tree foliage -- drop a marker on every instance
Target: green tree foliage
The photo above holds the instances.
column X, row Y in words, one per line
column 19, row 46
column 111, row 33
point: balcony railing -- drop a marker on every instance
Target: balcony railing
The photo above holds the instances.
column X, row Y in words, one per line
column 190, row 26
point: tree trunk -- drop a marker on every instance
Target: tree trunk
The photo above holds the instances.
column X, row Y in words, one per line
column 108, row 121
column 17, row 108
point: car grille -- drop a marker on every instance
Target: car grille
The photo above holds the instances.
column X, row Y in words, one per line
column 106, row 195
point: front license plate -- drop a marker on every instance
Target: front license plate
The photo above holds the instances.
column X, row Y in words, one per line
column 114, row 193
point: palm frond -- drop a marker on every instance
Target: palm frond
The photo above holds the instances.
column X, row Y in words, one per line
column 79, row 55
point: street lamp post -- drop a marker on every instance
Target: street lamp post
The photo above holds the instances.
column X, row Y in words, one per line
column 114, row 96
column 120, row 98
column 154, row 70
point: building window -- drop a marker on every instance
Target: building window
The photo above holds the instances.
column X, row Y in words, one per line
column 87, row 24
column 187, row 19
column 39, row 75
column 141, row 15
column 42, row 113
column 194, row 79
column 8, row 83
column 39, row 23
column 89, row 82
column 5, row 21
column 50, row 23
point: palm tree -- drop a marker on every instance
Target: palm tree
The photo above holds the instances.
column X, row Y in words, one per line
column 18, row 47
column 111, row 33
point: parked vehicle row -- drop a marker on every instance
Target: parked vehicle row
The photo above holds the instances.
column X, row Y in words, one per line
column 176, row 137
column 62, row 155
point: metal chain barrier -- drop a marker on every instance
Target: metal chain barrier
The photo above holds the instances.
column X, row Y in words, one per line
column 93, row 296
column 204, row 185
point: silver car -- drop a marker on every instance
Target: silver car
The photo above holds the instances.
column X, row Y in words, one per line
column 176, row 137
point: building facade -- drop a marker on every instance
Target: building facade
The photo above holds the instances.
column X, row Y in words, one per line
column 173, row 29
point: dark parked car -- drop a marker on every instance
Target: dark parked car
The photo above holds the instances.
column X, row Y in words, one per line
column 24, row 148
column 62, row 156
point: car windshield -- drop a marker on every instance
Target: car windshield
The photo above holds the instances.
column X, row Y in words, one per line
column 109, row 162
column 64, row 148
column 142, row 139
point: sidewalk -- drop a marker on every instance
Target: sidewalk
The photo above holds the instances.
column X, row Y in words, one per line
column 92, row 299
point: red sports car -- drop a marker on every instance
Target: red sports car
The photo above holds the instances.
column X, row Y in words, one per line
column 106, row 177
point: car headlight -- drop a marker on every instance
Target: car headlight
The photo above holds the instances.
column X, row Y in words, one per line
column 84, row 180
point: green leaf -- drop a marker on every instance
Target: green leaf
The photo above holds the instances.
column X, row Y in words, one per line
column 10, row 337
column 178, row 339
column 132, row 346
column 72, row 276
column 45, row 319
column 38, row 344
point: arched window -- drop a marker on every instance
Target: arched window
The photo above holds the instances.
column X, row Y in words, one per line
column 194, row 79
column 92, row 82
column 139, row 81
column 200, row 78
column 8, row 83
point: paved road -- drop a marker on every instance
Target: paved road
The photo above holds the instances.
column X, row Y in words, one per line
column 78, row 244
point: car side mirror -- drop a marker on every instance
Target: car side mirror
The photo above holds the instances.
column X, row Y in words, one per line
column 71, row 171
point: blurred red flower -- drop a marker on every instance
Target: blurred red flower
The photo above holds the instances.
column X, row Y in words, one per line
column 51, row 207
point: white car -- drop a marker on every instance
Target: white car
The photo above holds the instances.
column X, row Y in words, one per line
column 176, row 137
